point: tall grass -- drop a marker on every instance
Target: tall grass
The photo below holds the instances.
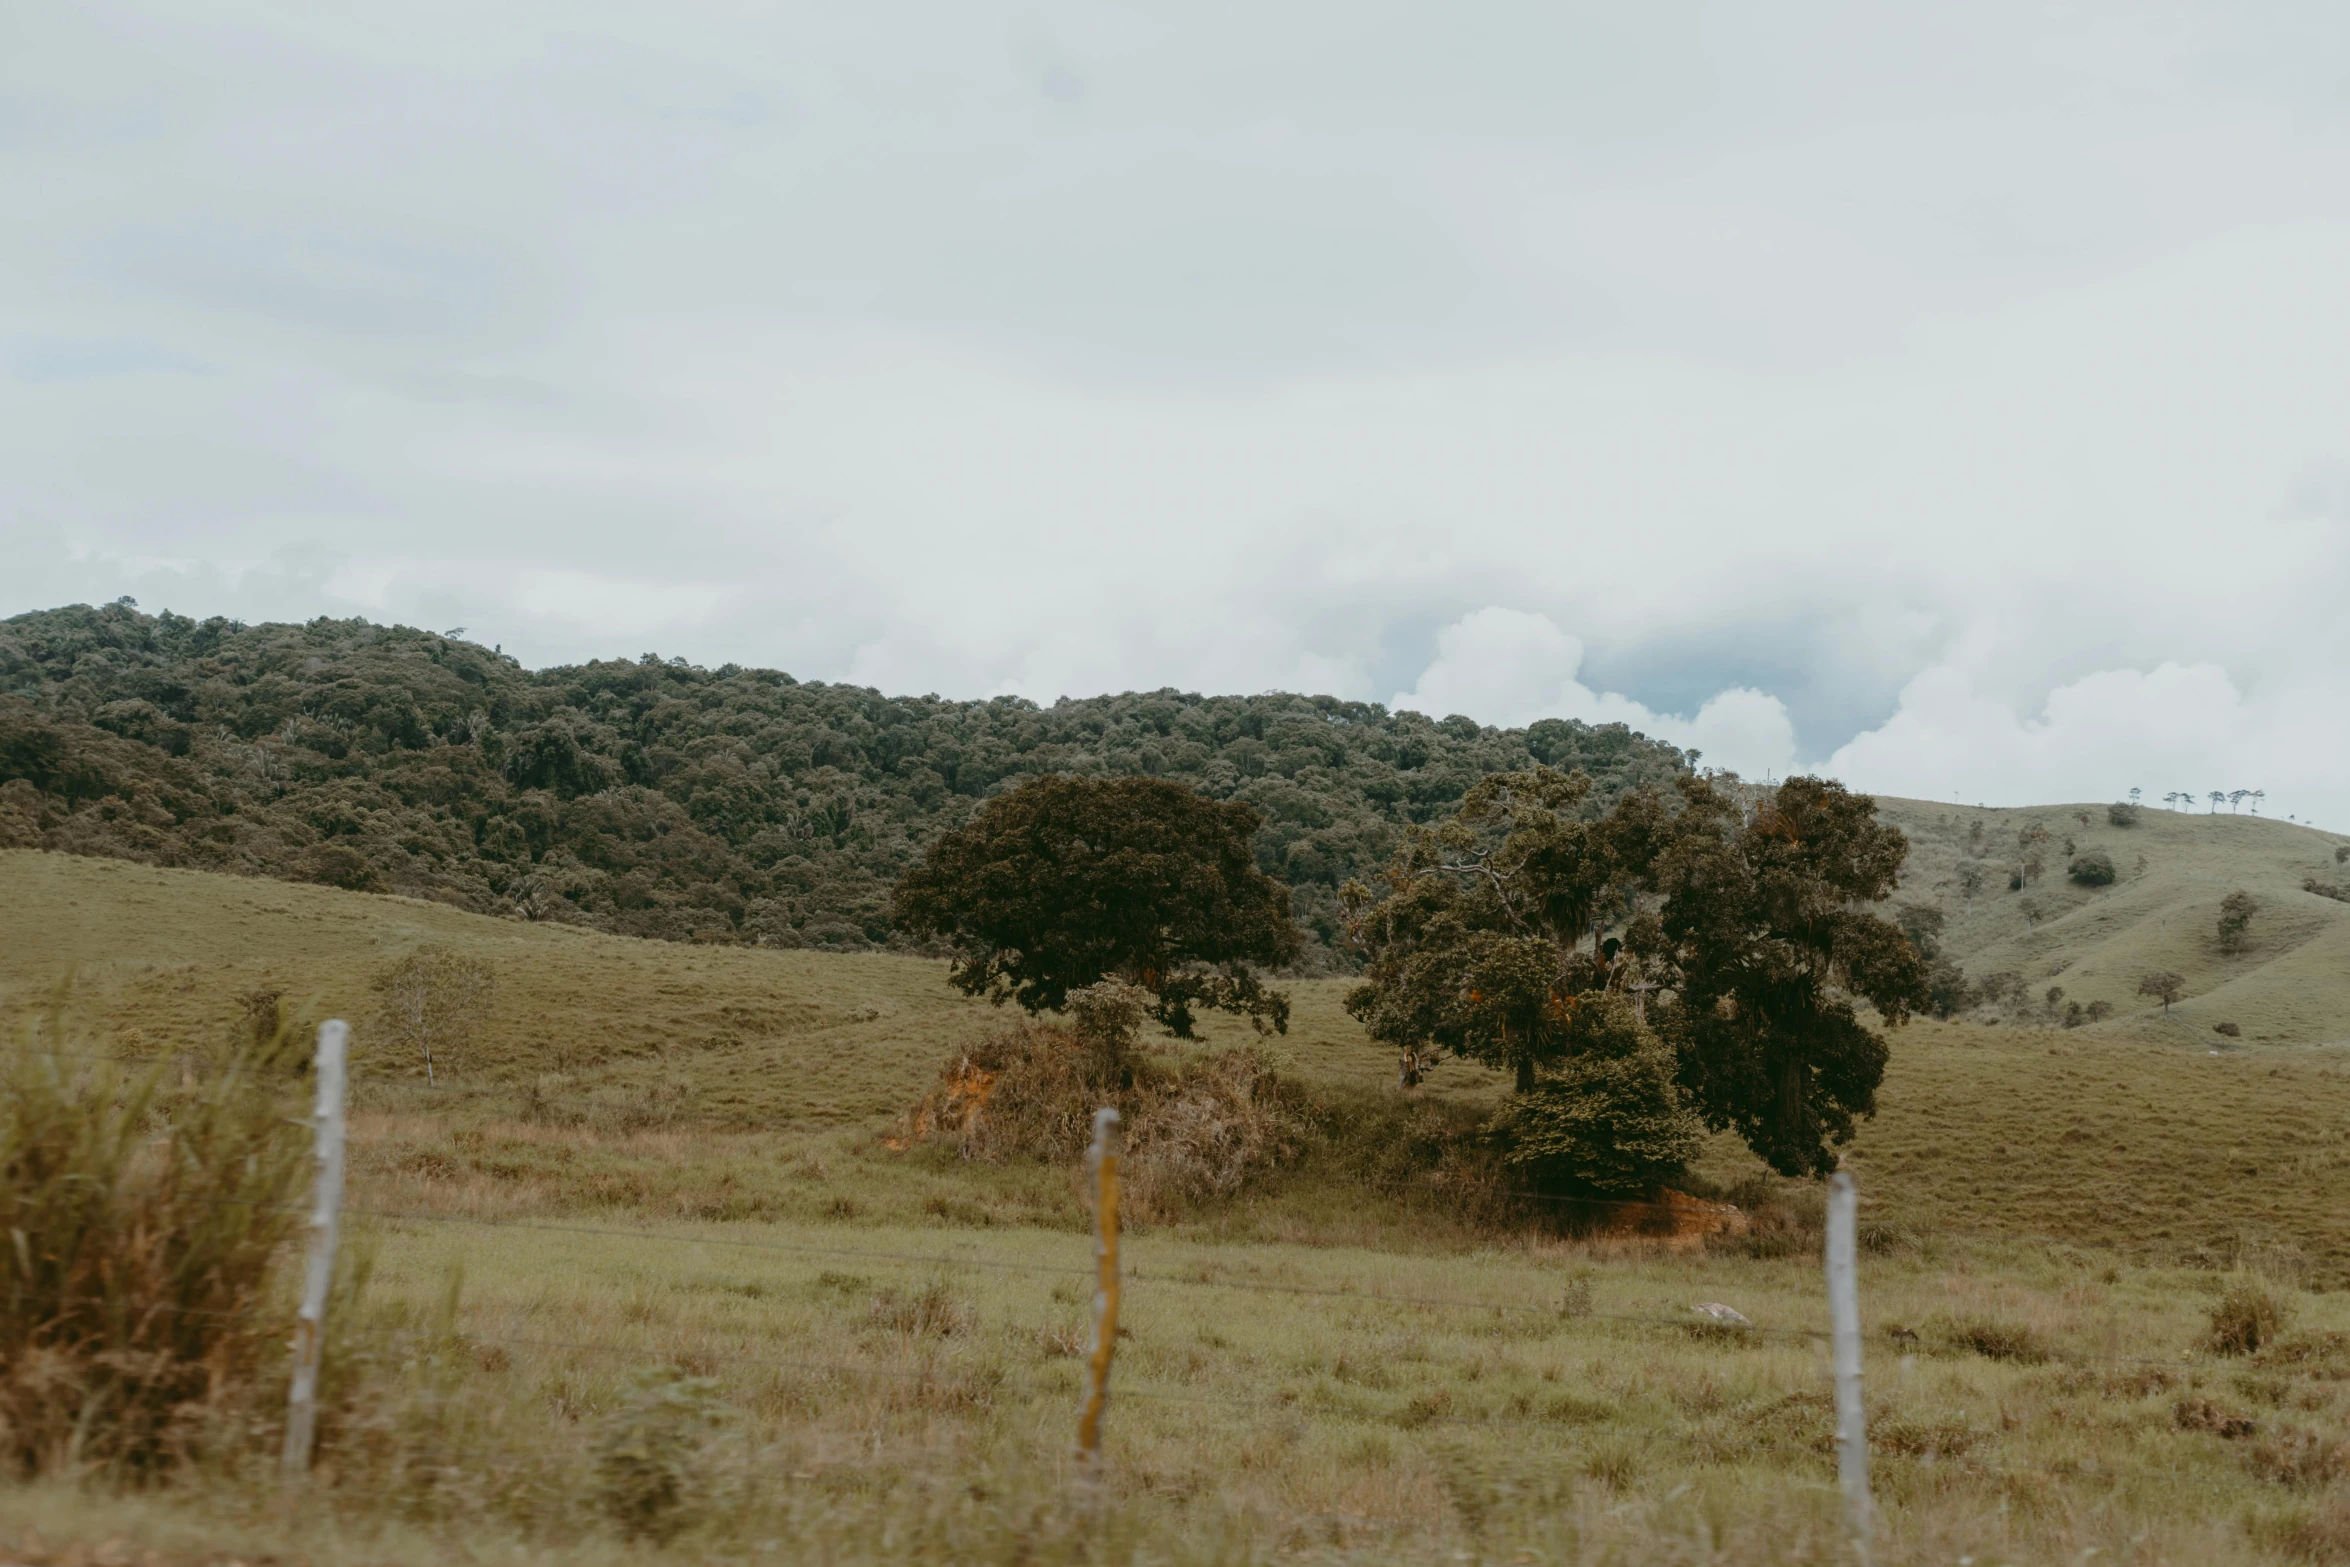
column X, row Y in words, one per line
column 141, row 1213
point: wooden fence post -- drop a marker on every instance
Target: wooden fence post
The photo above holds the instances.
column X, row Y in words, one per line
column 326, row 1207
column 1102, row 1161
column 1852, row 1441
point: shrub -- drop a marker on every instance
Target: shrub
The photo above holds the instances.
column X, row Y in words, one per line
column 2298, row 1458
column 142, row 1224
column 1197, row 1132
column 1612, row 1124
column 434, row 1000
column 649, row 1454
column 1991, row 1339
column 930, row 1312
column 1780, row 1221
column 2231, row 1030
column 1947, row 990
column 2247, row 1317
column 2235, row 920
column 2093, row 869
column 1201, row 1135
column 2326, row 889
column 2122, row 814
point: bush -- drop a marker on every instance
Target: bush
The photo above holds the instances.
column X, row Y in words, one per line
column 2093, row 869
column 1991, row 1339
column 2231, row 1030
column 650, row 1451
column 1947, row 990
column 1201, row 1135
column 143, row 1223
column 1609, row 1120
column 2247, row 1317
column 2122, row 814
column 1194, row 1133
column 2235, row 920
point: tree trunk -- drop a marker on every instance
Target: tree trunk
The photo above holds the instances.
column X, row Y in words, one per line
column 1525, row 1074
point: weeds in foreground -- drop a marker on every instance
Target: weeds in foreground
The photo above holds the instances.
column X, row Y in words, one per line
column 143, row 1219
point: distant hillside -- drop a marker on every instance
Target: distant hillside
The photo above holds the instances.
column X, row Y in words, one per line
column 2289, row 984
column 652, row 797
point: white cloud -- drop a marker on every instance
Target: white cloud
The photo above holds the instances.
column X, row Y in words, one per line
column 2174, row 728
column 1882, row 377
column 1509, row 667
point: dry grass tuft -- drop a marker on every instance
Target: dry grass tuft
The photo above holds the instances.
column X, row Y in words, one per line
column 1194, row 1133
column 142, row 1220
column 2247, row 1317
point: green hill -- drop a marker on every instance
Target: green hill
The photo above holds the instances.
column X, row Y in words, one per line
column 655, row 798
column 2108, row 1135
column 2290, row 983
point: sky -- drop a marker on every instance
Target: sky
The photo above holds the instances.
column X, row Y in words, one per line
column 1951, row 398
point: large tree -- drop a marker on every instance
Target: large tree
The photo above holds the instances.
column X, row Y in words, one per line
column 1747, row 909
column 1768, row 943
column 1066, row 881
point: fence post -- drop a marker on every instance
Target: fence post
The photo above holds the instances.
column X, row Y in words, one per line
column 1852, row 1441
column 1102, row 1160
column 326, row 1206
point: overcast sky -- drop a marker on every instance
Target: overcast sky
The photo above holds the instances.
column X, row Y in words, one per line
column 1955, row 398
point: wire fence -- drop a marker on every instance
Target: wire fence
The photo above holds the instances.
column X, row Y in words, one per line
column 327, row 1211
column 1688, row 1322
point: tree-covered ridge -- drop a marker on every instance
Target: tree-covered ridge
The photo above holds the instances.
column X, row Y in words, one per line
column 653, row 797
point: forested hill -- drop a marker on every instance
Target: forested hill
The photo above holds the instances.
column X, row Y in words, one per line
column 654, row 798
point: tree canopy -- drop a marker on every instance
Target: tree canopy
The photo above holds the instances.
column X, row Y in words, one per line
column 655, row 798
column 1742, row 910
column 1067, row 881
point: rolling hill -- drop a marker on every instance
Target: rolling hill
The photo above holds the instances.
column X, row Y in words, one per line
column 2289, row 985
column 2128, row 1133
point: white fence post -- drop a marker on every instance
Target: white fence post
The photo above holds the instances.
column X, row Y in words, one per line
column 1852, row 1441
column 1102, row 1160
column 326, row 1207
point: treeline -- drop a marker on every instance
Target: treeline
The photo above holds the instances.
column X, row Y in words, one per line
column 653, row 797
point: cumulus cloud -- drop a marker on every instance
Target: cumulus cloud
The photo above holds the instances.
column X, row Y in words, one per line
column 1511, row 667
column 2172, row 729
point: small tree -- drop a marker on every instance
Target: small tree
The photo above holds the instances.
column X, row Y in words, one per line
column 2217, row 795
column 1922, row 923
column 2123, row 814
column 2093, row 869
column 434, row 1001
column 2236, row 799
column 1609, row 1121
column 2235, row 919
column 2341, row 852
column 1067, row 881
column 2163, row 985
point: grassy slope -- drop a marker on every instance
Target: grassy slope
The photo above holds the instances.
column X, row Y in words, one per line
column 2110, row 1135
column 2290, row 986
column 775, row 1069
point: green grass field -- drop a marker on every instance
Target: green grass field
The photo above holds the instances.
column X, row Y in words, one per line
column 683, row 1146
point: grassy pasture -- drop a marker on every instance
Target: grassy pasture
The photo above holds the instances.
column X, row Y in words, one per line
column 891, row 1348
column 2290, row 984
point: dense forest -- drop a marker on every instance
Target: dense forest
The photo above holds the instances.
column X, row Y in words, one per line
column 653, row 797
